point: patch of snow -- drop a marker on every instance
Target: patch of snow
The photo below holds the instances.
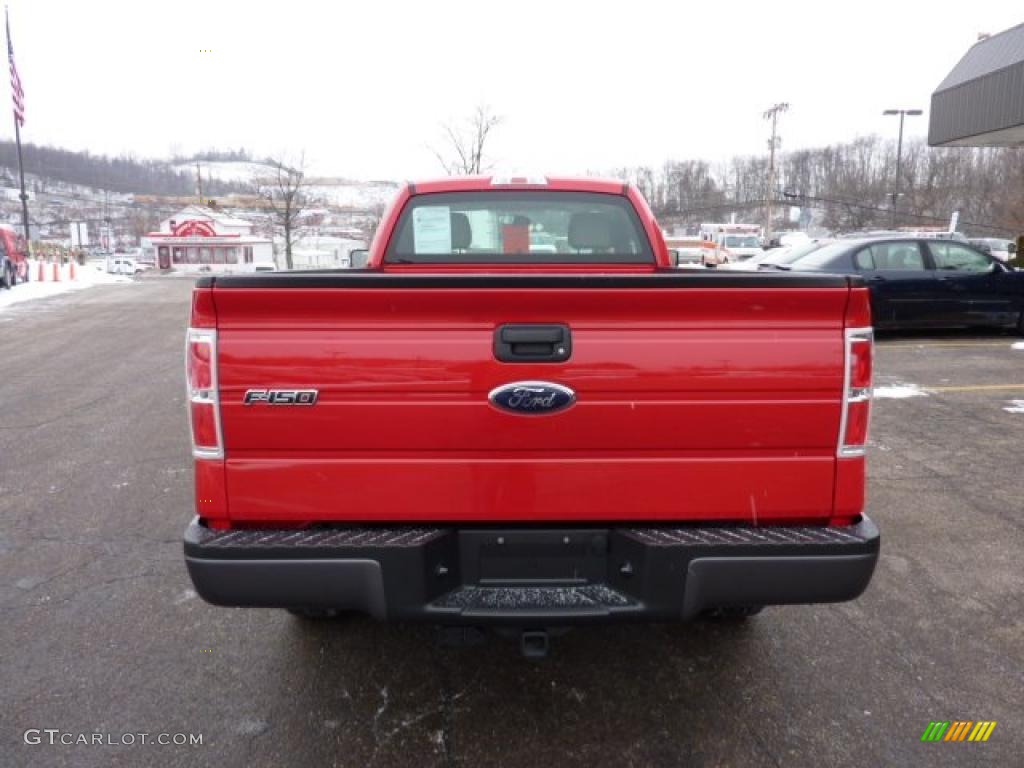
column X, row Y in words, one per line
column 252, row 727
column 1015, row 406
column 85, row 277
column 1017, row 345
column 899, row 391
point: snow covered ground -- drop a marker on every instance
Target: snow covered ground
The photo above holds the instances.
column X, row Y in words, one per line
column 85, row 277
column 898, row 391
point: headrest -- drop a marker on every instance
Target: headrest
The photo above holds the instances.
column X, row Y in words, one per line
column 589, row 230
column 462, row 235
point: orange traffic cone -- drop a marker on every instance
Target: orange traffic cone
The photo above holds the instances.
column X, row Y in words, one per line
column 42, row 274
column 72, row 275
column 56, row 272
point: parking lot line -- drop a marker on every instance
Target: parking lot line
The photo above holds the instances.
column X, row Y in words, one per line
column 974, row 387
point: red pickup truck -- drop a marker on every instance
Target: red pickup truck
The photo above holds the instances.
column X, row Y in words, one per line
column 13, row 257
column 520, row 414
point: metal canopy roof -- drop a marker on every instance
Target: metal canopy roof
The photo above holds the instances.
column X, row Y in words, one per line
column 981, row 101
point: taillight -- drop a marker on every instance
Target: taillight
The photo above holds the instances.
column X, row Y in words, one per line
column 853, row 425
column 203, row 402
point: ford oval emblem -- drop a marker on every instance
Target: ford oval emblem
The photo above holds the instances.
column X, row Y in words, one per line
column 532, row 398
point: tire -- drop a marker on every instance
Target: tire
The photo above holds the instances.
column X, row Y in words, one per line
column 733, row 612
column 1020, row 324
column 8, row 276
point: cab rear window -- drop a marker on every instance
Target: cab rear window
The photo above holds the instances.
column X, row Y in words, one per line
column 519, row 227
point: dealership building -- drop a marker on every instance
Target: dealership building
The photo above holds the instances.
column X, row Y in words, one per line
column 980, row 103
column 201, row 239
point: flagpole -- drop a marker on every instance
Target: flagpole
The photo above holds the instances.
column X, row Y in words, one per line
column 21, row 173
column 17, row 140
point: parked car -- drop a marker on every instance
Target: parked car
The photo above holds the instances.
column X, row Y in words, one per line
column 13, row 258
column 695, row 252
column 1004, row 250
column 120, row 265
column 692, row 252
column 753, row 264
column 917, row 283
column 533, row 419
column 778, row 258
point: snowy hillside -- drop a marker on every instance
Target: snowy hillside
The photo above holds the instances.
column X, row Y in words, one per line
column 240, row 171
column 343, row 193
column 346, row 193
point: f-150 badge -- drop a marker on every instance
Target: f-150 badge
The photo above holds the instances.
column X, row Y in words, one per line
column 281, row 396
column 532, row 397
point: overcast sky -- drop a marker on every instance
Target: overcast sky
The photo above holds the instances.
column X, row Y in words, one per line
column 364, row 87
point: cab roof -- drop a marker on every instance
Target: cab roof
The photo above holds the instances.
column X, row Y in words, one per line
column 519, row 181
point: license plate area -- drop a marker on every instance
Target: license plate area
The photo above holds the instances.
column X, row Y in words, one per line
column 536, row 557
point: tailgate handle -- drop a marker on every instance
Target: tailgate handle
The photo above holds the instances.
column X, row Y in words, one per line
column 521, row 343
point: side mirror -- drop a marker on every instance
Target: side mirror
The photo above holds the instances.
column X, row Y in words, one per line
column 1011, row 248
column 673, row 257
column 359, row 258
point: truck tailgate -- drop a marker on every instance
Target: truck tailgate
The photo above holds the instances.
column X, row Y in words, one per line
column 697, row 399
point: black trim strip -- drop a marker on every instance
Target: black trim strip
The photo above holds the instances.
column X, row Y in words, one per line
column 553, row 260
column 349, row 278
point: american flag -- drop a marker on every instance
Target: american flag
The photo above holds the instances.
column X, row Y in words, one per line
column 17, row 92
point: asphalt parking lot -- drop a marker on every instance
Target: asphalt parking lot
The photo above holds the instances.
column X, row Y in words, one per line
column 100, row 631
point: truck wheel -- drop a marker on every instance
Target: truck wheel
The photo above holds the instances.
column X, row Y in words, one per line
column 733, row 612
column 8, row 276
column 318, row 614
column 1020, row 324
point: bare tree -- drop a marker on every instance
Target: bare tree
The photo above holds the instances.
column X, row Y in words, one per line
column 465, row 143
column 284, row 198
column 141, row 221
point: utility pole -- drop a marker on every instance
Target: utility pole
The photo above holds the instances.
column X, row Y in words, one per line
column 899, row 158
column 199, row 182
column 105, row 238
column 773, row 115
column 19, row 120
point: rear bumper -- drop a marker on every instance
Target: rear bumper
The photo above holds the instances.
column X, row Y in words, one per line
column 549, row 576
